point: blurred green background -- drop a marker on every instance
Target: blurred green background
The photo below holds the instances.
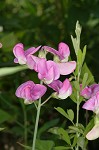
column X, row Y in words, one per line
column 33, row 23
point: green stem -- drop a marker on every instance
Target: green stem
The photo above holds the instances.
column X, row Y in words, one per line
column 36, row 124
column 78, row 96
column 46, row 100
column 25, row 123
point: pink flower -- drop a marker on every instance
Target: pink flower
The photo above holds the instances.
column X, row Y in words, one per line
column 21, row 55
column 30, row 91
column 48, row 71
column 63, row 90
column 63, row 51
column 90, row 91
column 93, row 103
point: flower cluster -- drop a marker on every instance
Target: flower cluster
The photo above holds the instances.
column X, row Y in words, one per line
column 92, row 94
column 48, row 71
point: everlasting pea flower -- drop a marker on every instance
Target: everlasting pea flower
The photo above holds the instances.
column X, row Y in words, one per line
column 30, row 91
column 63, row 51
column 21, row 55
column 62, row 55
column 48, row 71
column 63, row 90
column 90, row 91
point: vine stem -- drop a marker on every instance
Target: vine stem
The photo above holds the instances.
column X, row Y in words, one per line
column 36, row 124
column 78, row 96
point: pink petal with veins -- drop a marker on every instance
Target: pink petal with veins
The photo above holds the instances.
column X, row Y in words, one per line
column 66, row 68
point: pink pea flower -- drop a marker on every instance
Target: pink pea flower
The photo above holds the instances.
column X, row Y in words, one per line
column 21, row 55
column 63, row 90
column 90, row 91
column 30, row 91
column 63, row 51
column 48, row 71
column 92, row 104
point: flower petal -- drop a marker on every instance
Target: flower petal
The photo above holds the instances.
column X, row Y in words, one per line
column 63, row 51
column 90, row 104
column 66, row 68
column 31, row 50
column 55, row 85
column 94, row 133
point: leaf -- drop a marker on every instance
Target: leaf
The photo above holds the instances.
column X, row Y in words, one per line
column 27, row 147
column 61, row 111
column 61, row 148
column 44, row 145
column 81, row 142
column 47, row 125
column 89, row 127
column 84, row 81
column 84, row 54
column 4, row 116
column 70, row 114
column 76, row 85
column 79, row 58
column 2, row 129
column 64, row 135
column 11, row 70
column 85, row 69
column 74, row 141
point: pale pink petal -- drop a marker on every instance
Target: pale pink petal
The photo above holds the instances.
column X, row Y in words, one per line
column 90, row 104
column 86, row 92
column 65, row 90
column 94, row 133
column 20, row 92
column 66, row 68
column 38, row 91
column 56, row 72
column 63, row 50
column 19, row 54
column 31, row 50
column 94, row 88
column 51, row 50
column 56, row 85
column 33, row 62
column 42, row 67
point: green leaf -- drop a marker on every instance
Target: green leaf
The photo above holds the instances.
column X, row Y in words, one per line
column 11, row 70
column 84, row 54
column 74, row 141
column 70, row 114
column 85, row 69
column 47, row 125
column 61, row 148
column 76, row 85
column 61, row 111
column 44, row 145
column 26, row 147
column 81, row 142
column 2, row 129
column 4, row 116
column 84, row 81
column 76, row 129
column 89, row 127
column 79, row 58
column 64, row 135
